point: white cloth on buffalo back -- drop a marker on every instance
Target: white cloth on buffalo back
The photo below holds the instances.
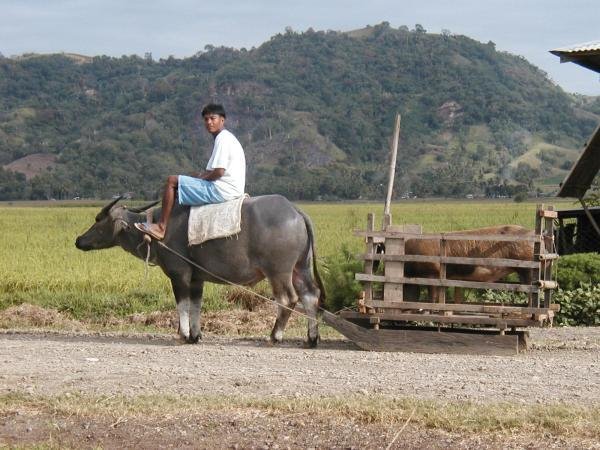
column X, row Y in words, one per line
column 214, row 221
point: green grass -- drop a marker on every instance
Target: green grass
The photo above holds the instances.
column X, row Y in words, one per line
column 40, row 265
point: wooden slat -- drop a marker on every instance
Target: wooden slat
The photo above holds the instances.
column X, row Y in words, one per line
column 464, row 307
column 448, row 283
column 488, row 262
column 548, row 256
column 500, row 323
column 548, row 214
column 452, row 237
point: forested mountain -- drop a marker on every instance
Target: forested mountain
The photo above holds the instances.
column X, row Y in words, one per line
column 314, row 111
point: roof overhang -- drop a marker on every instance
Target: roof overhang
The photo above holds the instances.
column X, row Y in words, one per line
column 586, row 55
column 578, row 212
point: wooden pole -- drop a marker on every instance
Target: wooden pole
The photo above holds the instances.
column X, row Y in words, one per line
column 589, row 215
column 387, row 217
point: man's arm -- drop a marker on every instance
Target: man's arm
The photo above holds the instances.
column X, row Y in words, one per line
column 210, row 175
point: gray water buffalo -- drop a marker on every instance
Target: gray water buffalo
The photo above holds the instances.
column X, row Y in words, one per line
column 276, row 242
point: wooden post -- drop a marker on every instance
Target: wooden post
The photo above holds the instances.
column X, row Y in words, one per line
column 547, row 264
column 368, row 267
column 442, row 290
column 536, row 274
column 387, row 216
column 394, row 292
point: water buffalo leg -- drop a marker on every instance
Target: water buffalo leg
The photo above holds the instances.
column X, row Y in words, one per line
column 182, row 297
column 195, row 311
column 183, row 309
column 284, row 293
column 309, row 296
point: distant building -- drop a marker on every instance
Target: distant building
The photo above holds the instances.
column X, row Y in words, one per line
column 578, row 230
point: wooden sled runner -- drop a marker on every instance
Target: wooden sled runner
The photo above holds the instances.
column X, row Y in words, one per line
column 429, row 339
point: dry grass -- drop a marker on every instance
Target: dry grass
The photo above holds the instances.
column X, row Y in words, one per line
column 246, row 298
column 257, row 321
column 462, row 417
column 28, row 316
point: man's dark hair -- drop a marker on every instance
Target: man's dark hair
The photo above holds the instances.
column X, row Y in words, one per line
column 213, row 108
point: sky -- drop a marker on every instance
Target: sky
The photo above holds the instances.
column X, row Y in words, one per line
column 181, row 28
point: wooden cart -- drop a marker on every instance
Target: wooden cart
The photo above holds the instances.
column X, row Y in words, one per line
column 384, row 321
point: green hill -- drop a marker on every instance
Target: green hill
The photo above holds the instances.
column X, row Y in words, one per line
column 314, row 112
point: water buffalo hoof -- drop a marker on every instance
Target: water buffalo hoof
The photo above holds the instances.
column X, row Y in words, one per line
column 194, row 339
column 311, row 343
column 272, row 342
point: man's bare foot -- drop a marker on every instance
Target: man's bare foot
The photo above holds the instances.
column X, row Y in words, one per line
column 151, row 229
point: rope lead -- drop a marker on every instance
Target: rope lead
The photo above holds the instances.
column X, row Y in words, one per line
column 262, row 297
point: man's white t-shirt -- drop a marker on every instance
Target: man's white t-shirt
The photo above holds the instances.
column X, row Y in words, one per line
column 228, row 154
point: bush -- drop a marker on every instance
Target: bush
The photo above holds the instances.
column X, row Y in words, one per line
column 520, row 197
column 342, row 289
column 580, row 306
column 507, row 298
column 574, row 270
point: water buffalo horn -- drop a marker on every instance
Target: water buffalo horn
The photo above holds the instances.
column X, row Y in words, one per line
column 144, row 208
column 106, row 209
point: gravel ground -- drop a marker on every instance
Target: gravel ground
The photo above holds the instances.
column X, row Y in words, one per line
column 564, row 366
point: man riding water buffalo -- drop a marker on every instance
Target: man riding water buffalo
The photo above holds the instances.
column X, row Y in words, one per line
column 224, row 178
column 276, row 241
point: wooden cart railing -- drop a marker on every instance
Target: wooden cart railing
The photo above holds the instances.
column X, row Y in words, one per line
column 388, row 303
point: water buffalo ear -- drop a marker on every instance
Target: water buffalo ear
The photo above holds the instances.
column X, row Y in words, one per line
column 145, row 207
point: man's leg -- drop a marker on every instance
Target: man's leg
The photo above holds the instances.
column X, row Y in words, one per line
column 167, row 201
column 157, row 230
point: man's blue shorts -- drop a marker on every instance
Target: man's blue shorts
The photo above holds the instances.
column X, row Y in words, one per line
column 195, row 191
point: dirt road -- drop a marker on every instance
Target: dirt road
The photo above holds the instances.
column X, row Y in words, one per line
column 564, row 367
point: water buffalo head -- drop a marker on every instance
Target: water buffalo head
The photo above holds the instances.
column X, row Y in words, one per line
column 110, row 222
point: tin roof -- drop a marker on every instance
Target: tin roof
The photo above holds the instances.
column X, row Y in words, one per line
column 586, row 54
column 582, row 174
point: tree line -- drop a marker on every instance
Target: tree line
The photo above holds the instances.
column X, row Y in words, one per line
column 314, row 111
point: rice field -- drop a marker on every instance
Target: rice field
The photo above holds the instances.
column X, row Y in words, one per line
column 39, row 263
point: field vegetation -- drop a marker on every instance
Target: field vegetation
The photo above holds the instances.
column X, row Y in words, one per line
column 41, row 266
